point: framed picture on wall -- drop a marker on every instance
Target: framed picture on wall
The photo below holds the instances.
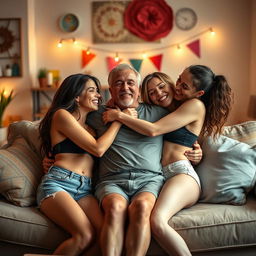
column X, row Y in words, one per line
column 10, row 47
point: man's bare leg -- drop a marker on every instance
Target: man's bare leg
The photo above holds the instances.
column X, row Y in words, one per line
column 138, row 234
column 112, row 235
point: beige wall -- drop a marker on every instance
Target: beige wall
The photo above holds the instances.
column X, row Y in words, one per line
column 232, row 51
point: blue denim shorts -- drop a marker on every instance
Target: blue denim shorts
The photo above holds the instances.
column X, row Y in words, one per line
column 181, row 166
column 60, row 179
column 129, row 183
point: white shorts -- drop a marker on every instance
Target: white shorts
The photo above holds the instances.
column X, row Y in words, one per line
column 182, row 166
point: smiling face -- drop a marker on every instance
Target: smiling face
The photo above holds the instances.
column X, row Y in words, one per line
column 184, row 87
column 124, row 89
column 90, row 97
column 159, row 92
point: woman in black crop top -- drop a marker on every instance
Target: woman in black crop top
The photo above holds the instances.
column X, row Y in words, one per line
column 199, row 105
column 65, row 192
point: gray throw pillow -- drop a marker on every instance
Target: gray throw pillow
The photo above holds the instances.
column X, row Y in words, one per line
column 227, row 171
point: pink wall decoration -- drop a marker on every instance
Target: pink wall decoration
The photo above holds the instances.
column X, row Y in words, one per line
column 195, row 47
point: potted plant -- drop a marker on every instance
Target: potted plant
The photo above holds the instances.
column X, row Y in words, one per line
column 42, row 77
column 4, row 102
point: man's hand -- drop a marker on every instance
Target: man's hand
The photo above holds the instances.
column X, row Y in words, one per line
column 47, row 163
column 195, row 155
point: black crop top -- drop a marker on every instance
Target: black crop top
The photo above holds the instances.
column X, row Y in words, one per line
column 181, row 136
column 67, row 146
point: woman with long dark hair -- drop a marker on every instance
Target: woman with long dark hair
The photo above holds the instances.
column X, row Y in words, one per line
column 65, row 194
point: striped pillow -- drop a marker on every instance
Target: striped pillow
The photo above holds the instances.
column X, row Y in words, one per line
column 243, row 132
column 20, row 173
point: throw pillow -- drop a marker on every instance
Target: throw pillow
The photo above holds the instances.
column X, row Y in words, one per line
column 20, row 173
column 227, row 171
column 29, row 131
column 244, row 132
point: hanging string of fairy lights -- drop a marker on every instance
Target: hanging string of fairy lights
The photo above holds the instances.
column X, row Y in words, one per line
column 144, row 52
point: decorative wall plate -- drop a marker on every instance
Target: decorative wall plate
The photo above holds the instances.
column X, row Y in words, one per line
column 108, row 22
column 68, row 22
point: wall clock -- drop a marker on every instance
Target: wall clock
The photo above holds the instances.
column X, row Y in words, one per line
column 185, row 18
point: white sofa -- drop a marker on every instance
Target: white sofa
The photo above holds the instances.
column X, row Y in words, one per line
column 222, row 223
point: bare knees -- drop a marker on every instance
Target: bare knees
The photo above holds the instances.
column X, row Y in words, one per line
column 141, row 208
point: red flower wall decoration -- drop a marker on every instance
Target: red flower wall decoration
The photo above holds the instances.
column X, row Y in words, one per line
column 149, row 19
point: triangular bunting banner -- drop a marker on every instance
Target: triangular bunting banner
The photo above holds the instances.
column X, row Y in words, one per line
column 86, row 58
column 112, row 63
column 157, row 61
column 195, row 47
column 136, row 63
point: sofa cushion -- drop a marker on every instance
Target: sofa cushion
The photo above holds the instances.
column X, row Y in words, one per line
column 20, row 173
column 217, row 226
column 244, row 132
column 227, row 171
column 28, row 226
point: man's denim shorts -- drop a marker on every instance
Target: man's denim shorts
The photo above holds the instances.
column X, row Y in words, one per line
column 60, row 179
column 182, row 166
column 129, row 183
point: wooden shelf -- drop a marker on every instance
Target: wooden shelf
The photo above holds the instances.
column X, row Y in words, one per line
column 47, row 93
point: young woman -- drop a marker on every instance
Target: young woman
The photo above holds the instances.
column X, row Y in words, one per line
column 65, row 193
column 199, row 106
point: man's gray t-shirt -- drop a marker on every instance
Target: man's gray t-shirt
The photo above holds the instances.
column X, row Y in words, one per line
column 130, row 150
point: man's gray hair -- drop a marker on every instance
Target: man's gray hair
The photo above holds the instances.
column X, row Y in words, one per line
column 120, row 67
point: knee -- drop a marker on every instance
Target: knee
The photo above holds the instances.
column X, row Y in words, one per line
column 84, row 239
column 114, row 209
column 157, row 225
column 141, row 209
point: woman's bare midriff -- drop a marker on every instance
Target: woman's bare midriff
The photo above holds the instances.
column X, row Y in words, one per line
column 173, row 152
column 79, row 163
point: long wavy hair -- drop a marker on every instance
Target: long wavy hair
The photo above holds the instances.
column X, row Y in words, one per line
column 217, row 98
column 64, row 98
column 144, row 86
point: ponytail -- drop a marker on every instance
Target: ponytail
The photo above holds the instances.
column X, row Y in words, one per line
column 218, row 102
column 217, row 99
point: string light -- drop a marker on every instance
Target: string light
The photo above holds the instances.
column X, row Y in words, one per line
column 88, row 52
column 60, row 43
column 116, row 57
column 212, row 31
column 144, row 54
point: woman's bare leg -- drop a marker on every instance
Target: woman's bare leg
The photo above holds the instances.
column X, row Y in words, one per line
column 178, row 192
column 62, row 209
column 90, row 206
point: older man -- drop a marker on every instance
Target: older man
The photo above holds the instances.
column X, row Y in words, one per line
column 130, row 176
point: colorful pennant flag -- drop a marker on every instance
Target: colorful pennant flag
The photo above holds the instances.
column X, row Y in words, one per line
column 157, row 61
column 136, row 63
column 195, row 47
column 111, row 63
column 86, row 57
